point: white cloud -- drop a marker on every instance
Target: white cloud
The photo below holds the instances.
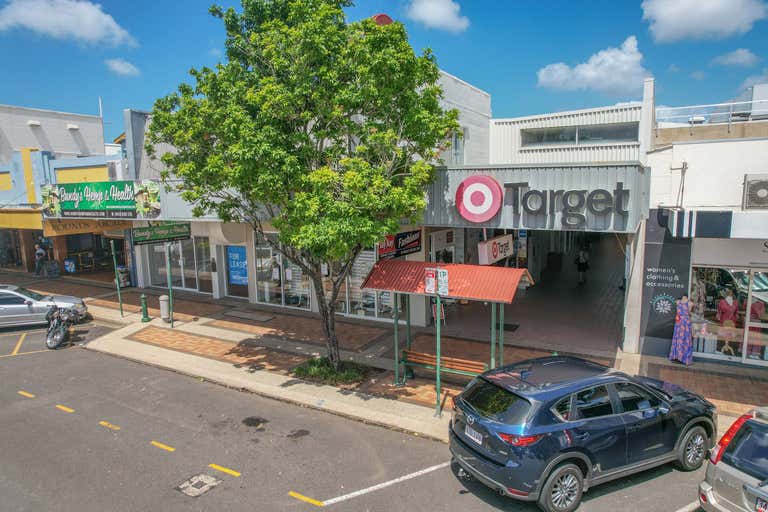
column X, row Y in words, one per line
column 698, row 75
column 122, row 67
column 755, row 79
column 440, row 14
column 740, row 57
column 215, row 52
column 673, row 68
column 616, row 71
column 675, row 20
column 78, row 20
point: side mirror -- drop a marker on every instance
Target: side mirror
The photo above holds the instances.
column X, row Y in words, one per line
column 664, row 408
column 28, row 302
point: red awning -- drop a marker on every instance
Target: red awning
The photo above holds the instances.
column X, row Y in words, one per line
column 471, row 282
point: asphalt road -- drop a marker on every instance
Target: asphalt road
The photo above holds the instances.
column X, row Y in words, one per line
column 83, row 431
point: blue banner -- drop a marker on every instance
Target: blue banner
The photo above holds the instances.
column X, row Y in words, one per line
column 237, row 265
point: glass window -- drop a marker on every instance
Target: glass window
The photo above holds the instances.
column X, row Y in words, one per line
column 362, row 302
column 602, row 133
column 496, row 403
column 269, row 272
column 9, row 299
column 718, row 309
column 748, row 452
column 157, row 267
column 29, row 293
column 548, row 136
column 562, row 409
column 457, row 148
column 203, row 264
column 634, row 398
column 296, row 286
column 593, row 402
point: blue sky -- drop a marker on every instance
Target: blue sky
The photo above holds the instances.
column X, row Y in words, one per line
column 533, row 56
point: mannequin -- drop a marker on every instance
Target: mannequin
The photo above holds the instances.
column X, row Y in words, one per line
column 682, row 343
column 727, row 309
column 698, row 296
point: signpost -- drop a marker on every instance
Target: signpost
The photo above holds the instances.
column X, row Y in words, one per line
column 442, row 281
column 170, row 281
column 117, row 277
column 436, row 282
column 161, row 232
column 430, row 280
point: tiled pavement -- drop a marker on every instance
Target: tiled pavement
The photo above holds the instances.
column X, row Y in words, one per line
column 239, row 354
column 184, row 310
column 352, row 336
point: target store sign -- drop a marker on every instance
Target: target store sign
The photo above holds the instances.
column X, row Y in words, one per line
column 479, row 198
column 495, row 249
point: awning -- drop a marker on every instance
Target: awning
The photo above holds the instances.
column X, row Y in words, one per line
column 58, row 227
column 470, row 282
column 21, row 218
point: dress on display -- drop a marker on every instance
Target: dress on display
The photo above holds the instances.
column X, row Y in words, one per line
column 682, row 344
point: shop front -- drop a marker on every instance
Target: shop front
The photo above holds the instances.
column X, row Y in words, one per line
column 20, row 230
column 171, row 247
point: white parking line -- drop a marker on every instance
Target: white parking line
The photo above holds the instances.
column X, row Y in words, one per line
column 691, row 507
column 385, row 484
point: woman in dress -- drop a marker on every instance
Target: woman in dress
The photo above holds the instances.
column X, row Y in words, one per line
column 682, row 343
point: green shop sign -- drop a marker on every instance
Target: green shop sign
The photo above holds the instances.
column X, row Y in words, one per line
column 102, row 199
column 164, row 232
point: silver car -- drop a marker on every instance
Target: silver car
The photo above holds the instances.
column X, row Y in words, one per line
column 19, row 306
column 737, row 473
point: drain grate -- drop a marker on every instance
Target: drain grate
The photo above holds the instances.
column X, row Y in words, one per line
column 198, row 485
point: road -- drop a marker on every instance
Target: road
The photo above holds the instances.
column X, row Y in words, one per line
column 83, row 431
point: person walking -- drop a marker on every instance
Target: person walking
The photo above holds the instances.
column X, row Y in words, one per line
column 39, row 260
column 582, row 264
column 682, row 343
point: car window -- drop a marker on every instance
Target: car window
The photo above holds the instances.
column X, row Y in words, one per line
column 748, row 452
column 29, row 293
column 634, row 398
column 9, row 299
column 495, row 402
column 562, row 409
column 593, row 402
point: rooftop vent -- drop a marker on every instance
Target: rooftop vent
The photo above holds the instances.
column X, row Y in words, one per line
column 755, row 191
column 71, row 126
column 33, row 122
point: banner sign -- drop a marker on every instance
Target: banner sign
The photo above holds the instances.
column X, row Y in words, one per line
column 442, row 281
column 102, row 199
column 400, row 244
column 56, row 227
column 495, row 249
column 237, row 265
column 430, row 280
column 163, row 232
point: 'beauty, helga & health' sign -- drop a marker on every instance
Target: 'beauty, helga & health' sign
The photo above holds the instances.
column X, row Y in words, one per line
column 599, row 198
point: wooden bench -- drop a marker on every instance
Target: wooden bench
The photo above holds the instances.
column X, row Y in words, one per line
column 447, row 364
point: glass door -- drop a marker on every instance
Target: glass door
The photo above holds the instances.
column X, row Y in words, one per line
column 177, row 279
column 203, row 264
column 756, row 319
column 187, row 262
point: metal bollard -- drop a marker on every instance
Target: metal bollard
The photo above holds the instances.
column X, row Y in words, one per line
column 144, row 312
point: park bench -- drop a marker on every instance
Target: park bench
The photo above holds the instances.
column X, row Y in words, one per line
column 447, row 364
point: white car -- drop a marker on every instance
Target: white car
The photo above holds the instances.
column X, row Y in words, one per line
column 19, row 306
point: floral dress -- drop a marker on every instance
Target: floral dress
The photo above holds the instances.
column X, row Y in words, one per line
column 682, row 344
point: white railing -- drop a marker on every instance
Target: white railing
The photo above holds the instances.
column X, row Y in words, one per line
column 716, row 113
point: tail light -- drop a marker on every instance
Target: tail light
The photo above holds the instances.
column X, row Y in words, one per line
column 518, row 440
column 719, row 449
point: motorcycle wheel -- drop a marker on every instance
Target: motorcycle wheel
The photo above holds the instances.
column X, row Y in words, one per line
column 55, row 338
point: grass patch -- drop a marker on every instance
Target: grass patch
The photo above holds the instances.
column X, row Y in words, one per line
column 321, row 370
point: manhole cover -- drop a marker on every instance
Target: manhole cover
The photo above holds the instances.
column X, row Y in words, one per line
column 198, row 485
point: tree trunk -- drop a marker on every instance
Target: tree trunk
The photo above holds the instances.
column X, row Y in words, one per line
column 328, row 319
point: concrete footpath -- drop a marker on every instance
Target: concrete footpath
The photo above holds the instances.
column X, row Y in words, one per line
column 386, row 412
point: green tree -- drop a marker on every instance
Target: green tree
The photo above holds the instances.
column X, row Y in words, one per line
column 325, row 129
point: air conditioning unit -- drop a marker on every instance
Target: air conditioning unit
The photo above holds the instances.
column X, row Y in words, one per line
column 755, row 191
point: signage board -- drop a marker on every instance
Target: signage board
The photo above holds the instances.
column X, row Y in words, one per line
column 102, row 199
column 161, row 232
column 495, row 249
column 442, row 282
column 430, row 280
column 237, row 265
column 401, row 244
column 58, row 227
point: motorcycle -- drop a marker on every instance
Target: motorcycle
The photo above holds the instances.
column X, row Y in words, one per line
column 59, row 322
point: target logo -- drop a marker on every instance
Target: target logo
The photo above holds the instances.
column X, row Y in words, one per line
column 478, row 198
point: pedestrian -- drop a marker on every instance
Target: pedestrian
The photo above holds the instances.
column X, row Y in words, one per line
column 682, row 343
column 39, row 260
column 582, row 264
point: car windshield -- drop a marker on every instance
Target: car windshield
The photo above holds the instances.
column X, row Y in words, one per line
column 28, row 293
column 748, row 452
column 496, row 403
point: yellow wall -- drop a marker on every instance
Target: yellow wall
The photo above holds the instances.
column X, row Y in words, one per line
column 82, row 174
column 21, row 219
column 5, row 181
column 29, row 177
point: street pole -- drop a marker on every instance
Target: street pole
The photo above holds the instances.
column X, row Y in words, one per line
column 170, row 282
column 501, row 334
column 397, row 343
column 493, row 335
column 117, row 277
column 439, row 315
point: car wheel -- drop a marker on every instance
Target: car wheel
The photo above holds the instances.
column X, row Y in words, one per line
column 693, row 449
column 563, row 489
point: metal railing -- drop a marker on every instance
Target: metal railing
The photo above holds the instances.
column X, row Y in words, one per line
column 716, row 113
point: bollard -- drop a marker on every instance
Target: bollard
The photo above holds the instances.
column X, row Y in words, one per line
column 144, row 312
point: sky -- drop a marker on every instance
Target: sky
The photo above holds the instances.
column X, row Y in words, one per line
column 532, row 56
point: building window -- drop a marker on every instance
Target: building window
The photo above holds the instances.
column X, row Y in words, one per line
column 581, row 135
column 457, row 147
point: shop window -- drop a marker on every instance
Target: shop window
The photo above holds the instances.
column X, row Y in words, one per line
column 362, row 302
column 203, row 264
column 157, row 265
column 718, row 305
column 269, row 272
column 296, row 286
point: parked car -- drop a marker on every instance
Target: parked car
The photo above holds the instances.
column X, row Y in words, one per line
column 548, row 429
column 19, row 306
column 737, row 473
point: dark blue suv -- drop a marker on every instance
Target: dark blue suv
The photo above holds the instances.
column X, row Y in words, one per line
column 547, row 429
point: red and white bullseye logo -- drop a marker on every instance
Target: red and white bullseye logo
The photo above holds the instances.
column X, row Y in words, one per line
column 478, row 198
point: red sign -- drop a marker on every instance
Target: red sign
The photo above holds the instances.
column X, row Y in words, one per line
column 430, row 278
column 400, row 244
column 478, row 198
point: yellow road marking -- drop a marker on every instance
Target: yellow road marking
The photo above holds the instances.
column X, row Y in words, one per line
column 26, row 394
column 306, row 499
column 18, row 344
column 224, row 470
column 163, row 446
column 109, row 425
column 64, row 408
column 30, row 352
